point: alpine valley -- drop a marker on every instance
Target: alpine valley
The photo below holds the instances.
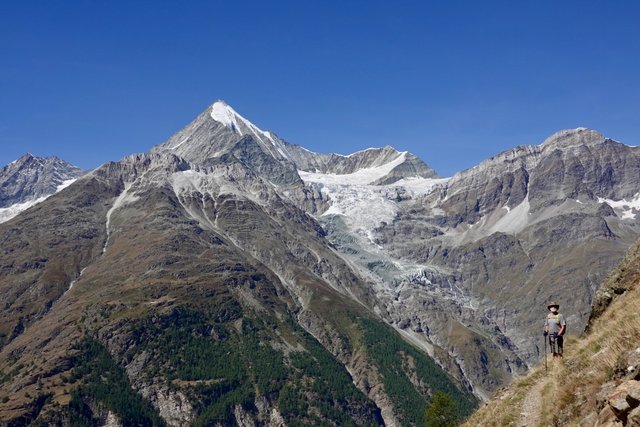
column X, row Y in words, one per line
column 227, row 277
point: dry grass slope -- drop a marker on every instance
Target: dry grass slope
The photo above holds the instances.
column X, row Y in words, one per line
column 569, row 396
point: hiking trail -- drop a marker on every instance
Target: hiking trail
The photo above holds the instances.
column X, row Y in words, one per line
column 532, row 404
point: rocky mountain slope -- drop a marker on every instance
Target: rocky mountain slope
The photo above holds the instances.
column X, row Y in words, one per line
column 157, row 290
column 228, row 276
column 598, row 383
column 29, row 180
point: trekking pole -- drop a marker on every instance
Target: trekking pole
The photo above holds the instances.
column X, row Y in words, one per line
column 544, row 338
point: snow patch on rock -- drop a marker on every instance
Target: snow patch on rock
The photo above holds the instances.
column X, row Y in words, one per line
column 123, row 199
column 626, row 207
column 14, row 210
column 232, row 120
column 514, row 220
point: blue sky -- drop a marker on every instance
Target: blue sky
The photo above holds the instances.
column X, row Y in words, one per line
column 454, row 82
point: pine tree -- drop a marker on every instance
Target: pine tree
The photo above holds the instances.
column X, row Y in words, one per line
column 441, row 411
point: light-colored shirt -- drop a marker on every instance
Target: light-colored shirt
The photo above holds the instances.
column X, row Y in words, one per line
column 554, row 322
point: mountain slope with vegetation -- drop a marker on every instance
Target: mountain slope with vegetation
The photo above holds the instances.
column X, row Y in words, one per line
column 598, row 382
column 193, row 297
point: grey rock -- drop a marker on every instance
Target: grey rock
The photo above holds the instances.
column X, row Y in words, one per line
column 589, row 421
column 112, row 420
column 633, row 394
column 243, row 418
column 633, row 419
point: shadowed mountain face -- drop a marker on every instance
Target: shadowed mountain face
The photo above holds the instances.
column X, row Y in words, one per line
column 230, row 277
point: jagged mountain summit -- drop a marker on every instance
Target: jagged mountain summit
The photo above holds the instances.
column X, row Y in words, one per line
column 299, row 287
column 220, row 131
column 29, row 180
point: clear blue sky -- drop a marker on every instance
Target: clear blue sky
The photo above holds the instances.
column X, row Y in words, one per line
column 454, row 82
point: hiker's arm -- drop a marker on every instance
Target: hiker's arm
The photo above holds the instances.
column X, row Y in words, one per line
column 561, row 331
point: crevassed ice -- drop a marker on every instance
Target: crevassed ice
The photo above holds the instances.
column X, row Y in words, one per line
column 366, row 206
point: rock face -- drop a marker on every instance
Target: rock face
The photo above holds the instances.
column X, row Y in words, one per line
column 621, row 406
column 227, row 262
column 30, row 180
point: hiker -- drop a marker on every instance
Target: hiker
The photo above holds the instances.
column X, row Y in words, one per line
column 554, row 326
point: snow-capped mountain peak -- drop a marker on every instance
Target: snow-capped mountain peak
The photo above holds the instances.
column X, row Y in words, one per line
column 231, row 119
column 220, row 130
column 223, row 113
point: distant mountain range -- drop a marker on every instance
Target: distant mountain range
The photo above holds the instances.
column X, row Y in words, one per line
column 230, row 277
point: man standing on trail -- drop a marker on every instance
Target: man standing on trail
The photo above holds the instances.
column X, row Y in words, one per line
column 554, row 327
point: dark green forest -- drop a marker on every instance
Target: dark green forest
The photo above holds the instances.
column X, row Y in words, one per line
column 224, row 361
column 390, row 352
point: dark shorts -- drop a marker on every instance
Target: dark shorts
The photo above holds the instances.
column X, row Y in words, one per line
column 556, row 343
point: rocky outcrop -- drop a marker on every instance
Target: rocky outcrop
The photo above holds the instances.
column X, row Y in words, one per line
column 620, row 407
column 173, row 406
column 112, row 420
column 618, row 282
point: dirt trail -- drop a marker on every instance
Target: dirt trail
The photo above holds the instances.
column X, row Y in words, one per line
column 532, row 405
